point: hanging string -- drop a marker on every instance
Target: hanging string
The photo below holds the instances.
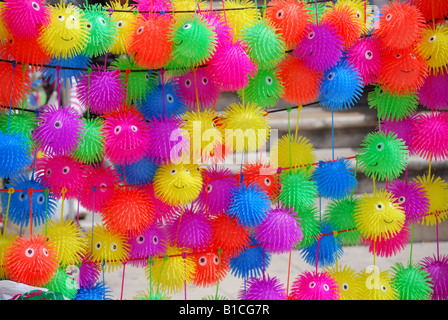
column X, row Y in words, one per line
column 289, row 134
column 332, row 133
column 196, row 91
column 58, row 85
column 219, row 268
column 10, row 192
column 411, row 243
column 289, row 272
column 64, row 190
column 317, row 17
column 93, row 216
column 299, row 108
column 30, row 193
column 162, row 81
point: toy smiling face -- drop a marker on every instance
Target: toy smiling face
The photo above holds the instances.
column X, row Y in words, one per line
column 210, row 268
column 193, row 42
column 383, row 155
column 103, row 31
column 110, row 247
column 177, row 184
column 320, row 48
column 152, row 242
column 315, row 286
column 403, row 72
column 125, row 135
column 378, row 215
column 31, row 260
column 433, row 47
column 66, row 34
column 349, row 286
column 123, row 22
column 365, row 55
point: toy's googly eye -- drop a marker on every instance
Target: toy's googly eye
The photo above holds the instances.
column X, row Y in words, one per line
column 98, row 245
column 398, row 56
column 311, row 35
column 402, row 199
column 155, row 240
column 280, row 14
column 369, row 55
column 113, row 246
column 174, row 171
column 35, row 6
column 202, row 261
column 268, row 80
column 29, row 252
column 379, row 206
column 187, row 26
column 66, row 170
column 345, row 286
column 188, row 83
column 140, row 30
column 72, row 19
column 388, row 17
column 204, row 80
column 140, row 239
column 432, row 39
column 22, row 196
column 412, row 56
column 134, row 128
column 312, row 284
column 61, row 17
column 170, row 98
column 187, row 171
column 102, row 21
column 88, row 26
column 380, row 146
column 326, row 287
column 45, row 252
column 120, row 24
column 147, row 77
column 216, row 260
column 330, row 76
column 48, row 172
column 103, row 187
column 209, row 188
column 267, row 181
column 58, row 124
column 383, row 288
column 40, row 199
column 117, row 129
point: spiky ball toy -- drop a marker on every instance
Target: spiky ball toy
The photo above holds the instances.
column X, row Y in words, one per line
column 436, row 190
column 98, row 187
column 229, row 235
column 211, row 268
column 59, row 130
column 347, row 280
column 264, row 175
column 377, row 285
column 63, row 283
column 320, row 48
column 400, row 25
column 149, row 43
column 429, row 135
column 389, row 247
column 305, row 92
column 59, row 172
column 66, row 34
column 402, row 128
column 124, row 26
column 342, row 87
column 179, row 183
column 433, row 94
column 246, row 127
column 19, row 121
column 239, row 19
column 91, row 147
column 98, row 291
column 141, row 172
column 403, row 72
column 314, row 286
column 280, row 231
column 88, row 273
column 71, row 71
column 412, row 282
column 298, row 190
column 335, row 179
column 18, row 49
column 31, row 260
column 377, row 216
column 251, row 261
column 437, row 267
column 151, row 242
column 15, row 154
column 392, row 106
column 291, row 19
column 433, row 47
column 412, row 197
column 108, row 248
column 264, row 89
column 129, row 211
column 266, row 288
column 16, row 84
column 126, row 136
column 383, row 156
column 292, row 151
column 432, row 9
column 40, row 207
column 194, row 42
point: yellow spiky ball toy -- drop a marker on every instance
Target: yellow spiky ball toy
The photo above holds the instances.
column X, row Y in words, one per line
column 433, row 47
column 108, row 247
column 125, row 26
column 376, row 285
column 178, row 183
column 378, row 215
column 347, row 280
column 172, row 272
column 437, row 192
column 66, row 34
column 240, row 19
column 247, row 127
column 205, row 139
column 293, row 151
column 69, row 239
